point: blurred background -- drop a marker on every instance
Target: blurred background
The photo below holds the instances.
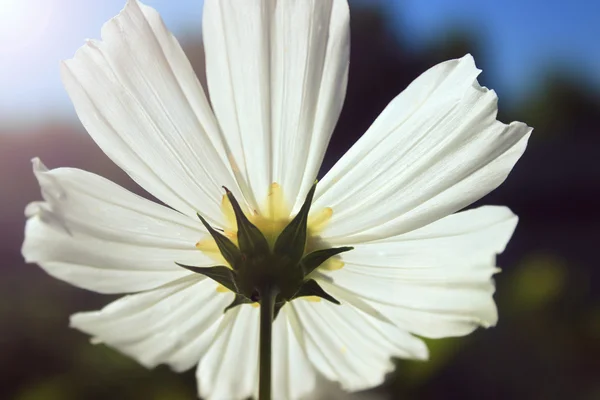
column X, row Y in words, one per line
column 543, row 59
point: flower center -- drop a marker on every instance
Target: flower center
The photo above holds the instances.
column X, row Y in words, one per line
column 269, row 255
column 271, row 223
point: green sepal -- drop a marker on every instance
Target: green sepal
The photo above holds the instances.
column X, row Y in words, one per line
column 227, row 248
column 313, row 260
column 292, row 240
column 312, row 288
column 221, row 274
column 250, row 239
column 238, row 301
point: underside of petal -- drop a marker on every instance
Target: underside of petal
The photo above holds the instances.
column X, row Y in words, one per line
column 349, row 346
column 435, row 149
column 277, row 73
column 435, row 281
column 94, row 234
column 174, row 324
column 138, row 97
column 229, row 370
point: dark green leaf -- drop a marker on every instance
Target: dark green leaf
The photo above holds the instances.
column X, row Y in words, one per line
column 221, row 274
column 292, row 240
column 227, row 248
column 250, row 238
column 313, row 260
column 239, row 300
column 312, row 288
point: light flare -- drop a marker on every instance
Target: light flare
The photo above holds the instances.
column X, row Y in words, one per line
column 23, row 23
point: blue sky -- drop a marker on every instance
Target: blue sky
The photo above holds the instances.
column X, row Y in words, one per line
column 521, row 40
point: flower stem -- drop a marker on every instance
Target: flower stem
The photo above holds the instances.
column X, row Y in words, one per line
column 267, row 308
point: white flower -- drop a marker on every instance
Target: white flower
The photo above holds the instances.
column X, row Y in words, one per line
column 277, row 72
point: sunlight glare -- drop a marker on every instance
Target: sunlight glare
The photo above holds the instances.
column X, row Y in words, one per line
column 23, row 23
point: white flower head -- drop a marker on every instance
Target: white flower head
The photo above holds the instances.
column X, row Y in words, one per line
column 277, row 72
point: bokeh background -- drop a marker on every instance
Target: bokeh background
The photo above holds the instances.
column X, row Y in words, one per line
column 543, row 59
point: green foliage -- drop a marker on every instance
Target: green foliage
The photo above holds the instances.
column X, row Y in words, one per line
column 538, row 281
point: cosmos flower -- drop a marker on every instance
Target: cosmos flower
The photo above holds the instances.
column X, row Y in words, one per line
column 410, row 265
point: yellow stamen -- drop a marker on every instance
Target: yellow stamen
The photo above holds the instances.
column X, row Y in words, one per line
column 276, row 216
column 312, row 299
column 208, row 246
column 228, row 212
column 318, row 221
column 232, row 235
column 332, row 264
column 222, row 289
column 277, row 209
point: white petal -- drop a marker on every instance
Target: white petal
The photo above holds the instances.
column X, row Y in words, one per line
column 435, row 281
column 229, row 370
column 138, row 97
column 94, row 234
column 174, row 324
column 350, row 347
column 277, row 73
column 434, row 150
column 294, row 377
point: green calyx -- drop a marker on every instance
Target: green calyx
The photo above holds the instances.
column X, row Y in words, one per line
column 257, row 268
